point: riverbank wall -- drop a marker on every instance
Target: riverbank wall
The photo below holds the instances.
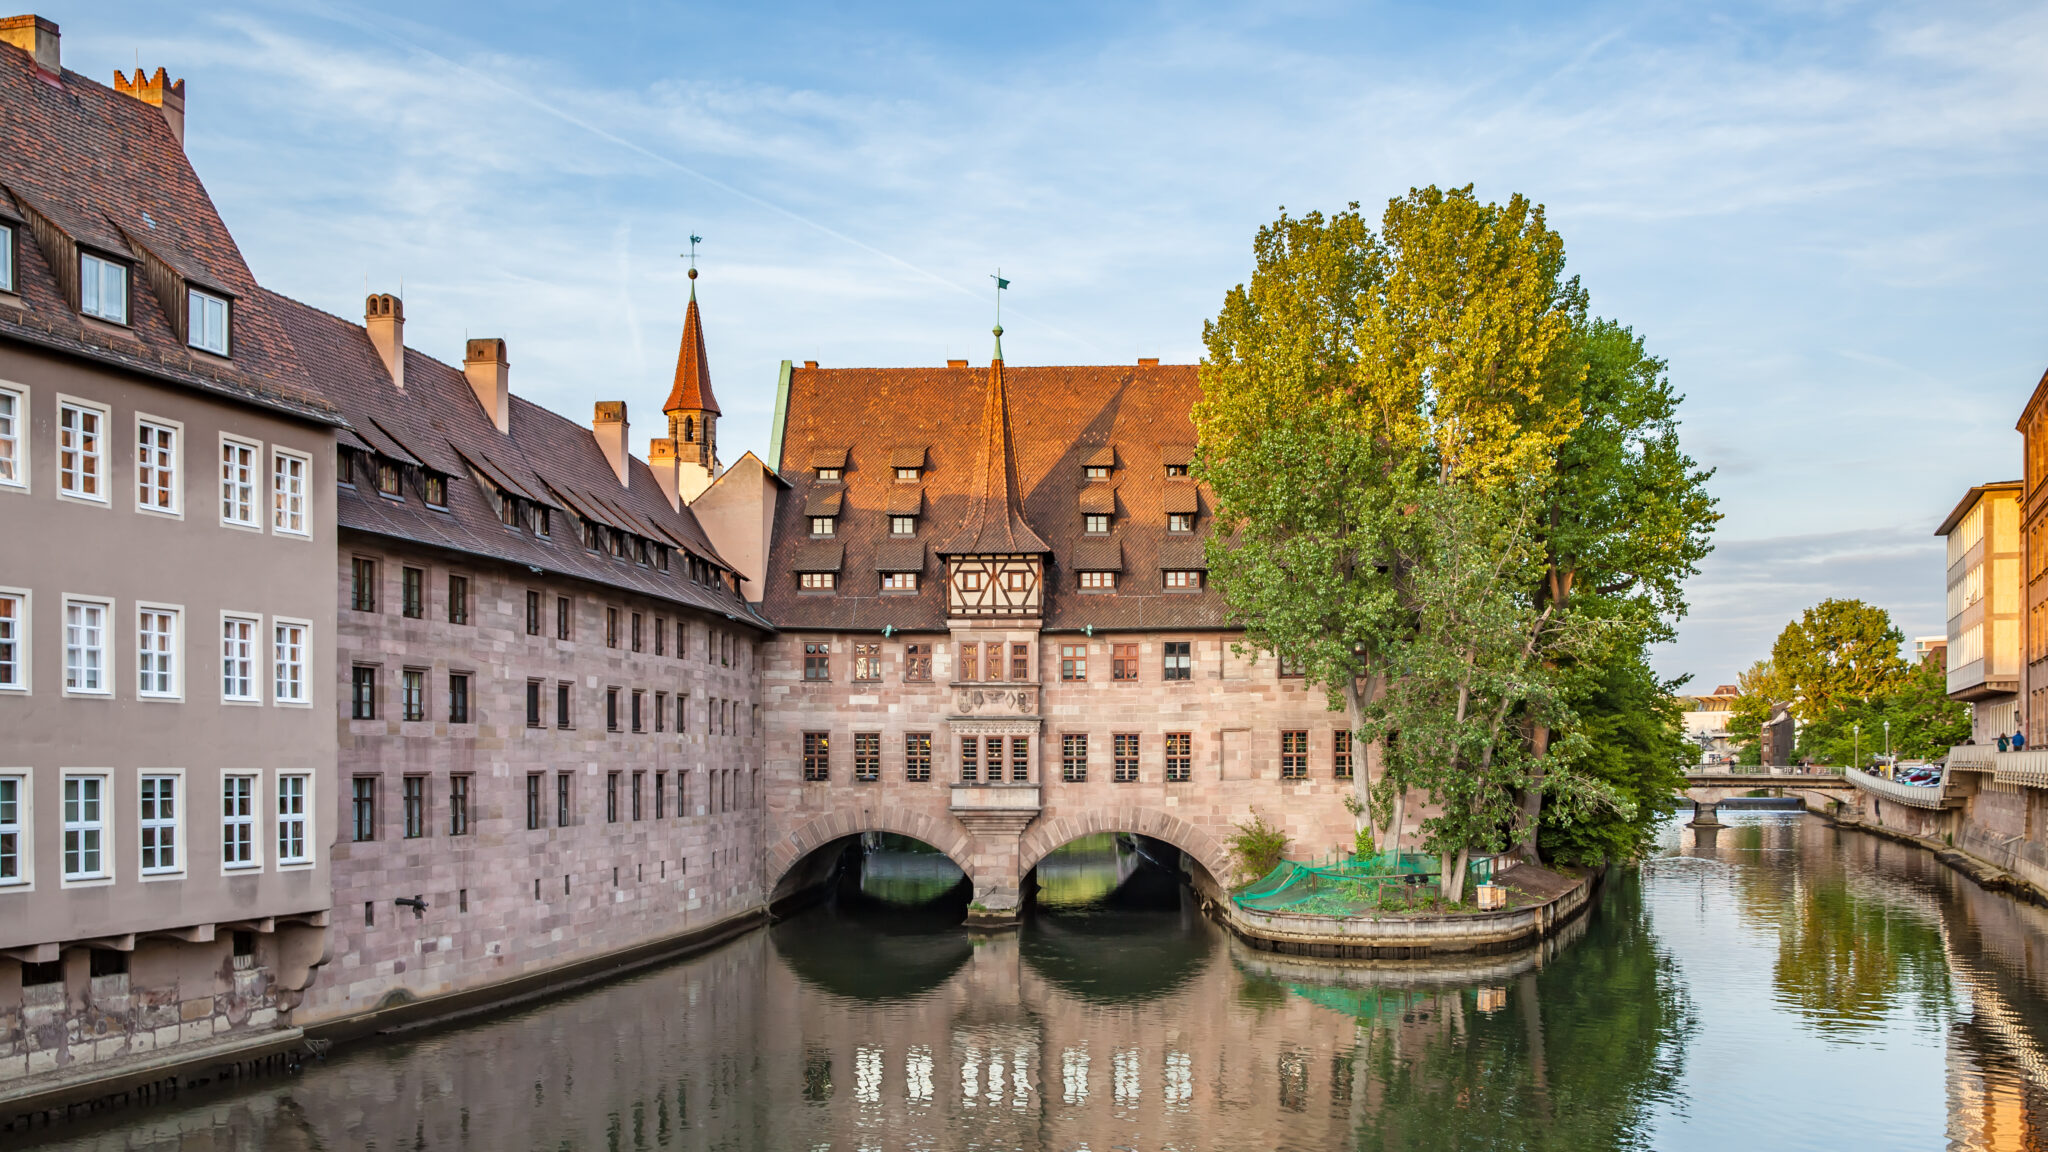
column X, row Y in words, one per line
column 1981, row 826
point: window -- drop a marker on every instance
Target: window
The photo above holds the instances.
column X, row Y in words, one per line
column 1098, row 581
column 1020, row 760
column 294, row 841
column 1125, row 746
column 636, row 632
column 682, row 712
column 660, row 710
column 238, row 460
column 80, row 471
column 970, row 661
column 412, row 692
column 970, row 759
column 288, row 493
column 611, row 797
column 867, row 661
column 1291, row 668
column 906, row 473
column 238, row 659
column 345, row 468
column 13, row 452
column 639, row 779
column 1017, row 580
column 1183, row 580
column 85, row 647
column 917, row 756
column 817, row 756
column 458, row 804
column 971, row 581
column 159, row 824
column 562, row 617
column 458, row 697
column 867, row 757
column 362, row 693
column 828, row 473
column 611, row 627
column 206, row 322
column 899, row 582
column 902, row 525
column 412, row 587
column 7, row 258
column 363, row 804
column 1180, row 756
column 1294, row 755
column 817, row 661
column 84, row 826
column 532, row 612
column 434, row 487
column 156, row 466
column 561, row 800
column 363, row 584
column 1074, row 758
column 532, row 800
column 1096, row 472
column 660, row 794
column 533, row 703
column 508, row 510
column 660, row 634
column 102, row 288
column 156, row 652
column 1176, row 470
column 238, row 821
column 1180, row 522
column 1095, row 524
column 1020, row 662
column 638, row 724
column 611, row 709
column 13, row 640
column 458, row 599
column 12, row 854
column 415, row 807
column 1340, row 748
column 822, row 525
column 563, row 717
column 387, row 479
column 1073, row 661
column 289, row 661
column 1179, row 661
column 917, row 663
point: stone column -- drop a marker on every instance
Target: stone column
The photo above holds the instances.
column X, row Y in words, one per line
column 996, row 816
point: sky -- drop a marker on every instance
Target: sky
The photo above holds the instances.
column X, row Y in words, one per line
column 1825, row 216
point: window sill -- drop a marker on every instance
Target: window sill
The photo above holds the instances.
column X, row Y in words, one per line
column 159, row 698
column 160, row 513
column 89, row 501
column 293, row 703
column 239, row 869
column 239, row 526
column 96, row 881
column 242, row 701
column 88, row 694
column 294, row 865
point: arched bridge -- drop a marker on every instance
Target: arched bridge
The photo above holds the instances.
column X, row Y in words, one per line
column 1708, row 785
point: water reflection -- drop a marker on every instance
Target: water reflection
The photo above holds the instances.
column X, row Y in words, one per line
column 1789, row 986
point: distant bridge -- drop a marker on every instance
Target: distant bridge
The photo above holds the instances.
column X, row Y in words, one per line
column 1707, row 786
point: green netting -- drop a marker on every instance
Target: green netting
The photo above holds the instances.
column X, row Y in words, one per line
column 1353, row 885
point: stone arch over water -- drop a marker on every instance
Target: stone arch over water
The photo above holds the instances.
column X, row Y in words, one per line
column 944, row 834
column 1043, row 837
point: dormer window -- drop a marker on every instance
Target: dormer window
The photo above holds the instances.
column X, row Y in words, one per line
column 899, row 582
column 907, row 473
column 540, row 520
column 819, row 581
column 388, row 478
column 828, row 473
column 902, row 525
column 1180, row 522
column 1097, row 471
column 436, row 490
column 102, row 288
column 1176, row 470
column 822, row 525
column 1098, row 581
column 7, row 259
column 508, row 509
column 1095, row 524
column 345, row 468
column 206, row 323
column 1184, row 580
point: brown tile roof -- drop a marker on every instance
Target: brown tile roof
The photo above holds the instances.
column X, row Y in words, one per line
column 84, row 165
column 545, row 457
column 995, row 522
column 1060, row 419
column 693, row 369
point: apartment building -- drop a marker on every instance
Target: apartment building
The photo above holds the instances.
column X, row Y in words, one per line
column 167, row 534
column 1984, row 586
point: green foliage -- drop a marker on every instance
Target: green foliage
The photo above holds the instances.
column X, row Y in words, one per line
column 1362, row 846
column 1634, row 744
column 1925, row 723
column 1838, row 650
column 1258, row 846
column 1757, row 690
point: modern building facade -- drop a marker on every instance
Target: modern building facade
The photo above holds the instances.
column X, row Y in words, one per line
column 1984, row 589
column 167, row 535
column 1706, row 719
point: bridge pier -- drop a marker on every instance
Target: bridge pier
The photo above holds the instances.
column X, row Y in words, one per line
column 1705, row 815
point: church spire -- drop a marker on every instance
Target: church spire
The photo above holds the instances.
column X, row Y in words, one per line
column 692, row 391
column 995, row 521
column 691, row 450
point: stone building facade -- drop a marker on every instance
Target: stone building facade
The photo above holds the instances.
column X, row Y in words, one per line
column 166, row 530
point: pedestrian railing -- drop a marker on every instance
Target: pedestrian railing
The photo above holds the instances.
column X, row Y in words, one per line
column 1937, row 795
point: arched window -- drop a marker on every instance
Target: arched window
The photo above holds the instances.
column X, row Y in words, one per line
column 689, row 429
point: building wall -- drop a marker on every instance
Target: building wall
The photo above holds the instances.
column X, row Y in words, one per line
column 1984, row 590
column 505, row 900
column 58, row 1013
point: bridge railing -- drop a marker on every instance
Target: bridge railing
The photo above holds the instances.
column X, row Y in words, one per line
column 1942, row 795
column 1762, row 770
column 1974, row 758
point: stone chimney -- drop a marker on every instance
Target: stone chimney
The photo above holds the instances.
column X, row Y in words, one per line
column 489, row 373
column 608, row 424
column 384, row 317
column 159, row 90
column 661, row 460
column 37, row 37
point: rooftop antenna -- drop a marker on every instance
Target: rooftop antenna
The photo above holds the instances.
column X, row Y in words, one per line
column 1000, row 285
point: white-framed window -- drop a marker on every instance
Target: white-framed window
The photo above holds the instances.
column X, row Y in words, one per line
column 819, row 581
column 81, row 451
column 1098, row 581
column 102, row 288
column 1184, row 578
column 291, row 655
column 14, row 647
column 7, row 259
column 159, row 812
column 288, row 473
column 1095, row 524
column 822, row 525
column 206, row 322
column 238, row 822
column 13, row 440
column 899, row 582
column 156, row 652
column 238, row 658
column 85, row 829
column 16, row 854
column 156, row 465
column 294, row 834
column 85, row 647
column 238, row 463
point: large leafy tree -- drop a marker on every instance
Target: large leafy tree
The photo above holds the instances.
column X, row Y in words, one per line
column 1924, row 722
column 1634, row 744
column 1836, row 652
column 1757, row 692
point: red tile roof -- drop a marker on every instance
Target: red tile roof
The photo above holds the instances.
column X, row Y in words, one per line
column 995, row 523
column 693, row 369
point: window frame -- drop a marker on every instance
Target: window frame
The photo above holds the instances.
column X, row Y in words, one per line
column 19, row 642
column 105, row 827
column 146, row 823
column 1124, row 748
column 900, row 582
column 1181, row 580
column 1095, row 524
column 362, row 583
column 173, row 652
column 867, row 661
column 9, row 260
column 1179, row 756
column 1073, row 663
column 107, row 652
column 1097, row 581
column 415, row 805
column 817, row 581
column 15, row 465
column 867, row 757
column 816, row 757
column 97, row 309
column 824, row 527
column 22, row 828
column 461, row 704
column 250, row 822
column 254, row 621
column 917, row 663
column 363, row 805
column 1294, row 754
column 412, row 592
column 818, row 660
column 917, row 757
column 1178, row 673
column 1073, row 757
column 230, row 500
column 458, row 598
column 282, row 496
column 195, row 300
column 172, row 471
column 1342, row 750
column 103, row 415
column 362, row 706
column 459, row 792
column 302, row 819
column 303, row 698
column 412, row 695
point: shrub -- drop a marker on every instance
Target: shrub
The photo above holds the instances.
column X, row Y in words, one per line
column 1258, row 846
column 1362, row 846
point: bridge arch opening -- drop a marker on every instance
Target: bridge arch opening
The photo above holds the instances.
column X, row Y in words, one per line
column 873, row 871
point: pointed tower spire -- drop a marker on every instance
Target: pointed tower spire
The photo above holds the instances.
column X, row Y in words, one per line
column 995, row 523
column 692, row 410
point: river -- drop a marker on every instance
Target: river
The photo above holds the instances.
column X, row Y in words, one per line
column 1790, row 986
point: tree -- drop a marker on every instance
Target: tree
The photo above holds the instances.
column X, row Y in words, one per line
column 1757, row 692
column 1635, row 745
column 1837, row 651
column 1925, row 723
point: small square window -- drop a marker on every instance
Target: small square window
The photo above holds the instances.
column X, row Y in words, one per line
column 1180, row 522
column 902, row 525
column 906, row 473
column 206, row 322
column 1095, row 523
column 102, row 288
column 828, row 473
column 822, row 525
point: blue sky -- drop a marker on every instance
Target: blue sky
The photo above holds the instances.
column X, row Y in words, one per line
column 1827, row 216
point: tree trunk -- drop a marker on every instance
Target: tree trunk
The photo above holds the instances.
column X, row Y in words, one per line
column 1394, row 833
column 1530, row 820
column 1454, row 875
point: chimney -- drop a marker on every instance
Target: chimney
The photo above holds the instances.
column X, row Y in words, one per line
column 159, row 90
column 810, row 363
column 37, row 37
column 1148, row 361
column 661, row 460
column 608, row 424
column 956, row 363
column 384, row 317
column 488, row 373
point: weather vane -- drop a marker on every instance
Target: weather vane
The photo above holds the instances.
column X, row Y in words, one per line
column 694, row 241
column 1000, row 285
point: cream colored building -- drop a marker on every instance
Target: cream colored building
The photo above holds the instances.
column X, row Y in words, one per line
column 1983, row 535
